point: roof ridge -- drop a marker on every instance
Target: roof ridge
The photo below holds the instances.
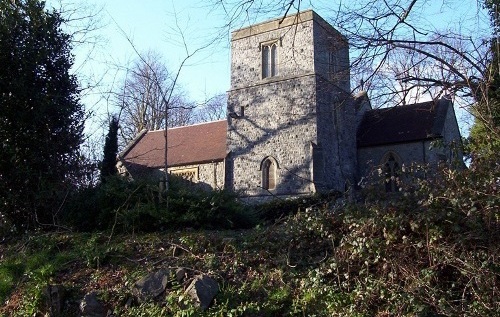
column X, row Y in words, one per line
column 190, row 125
column 434, row 102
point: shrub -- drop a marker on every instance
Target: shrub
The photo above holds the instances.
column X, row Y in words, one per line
column 140, row 206
column 433, row 250
column 208, row 209
column 93, row 208
column 280, row 208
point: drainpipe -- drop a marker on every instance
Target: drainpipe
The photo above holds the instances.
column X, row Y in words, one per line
column 423, row 151
column 215, row 174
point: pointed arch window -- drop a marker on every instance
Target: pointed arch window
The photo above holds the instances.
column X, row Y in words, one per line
column 269, row 167
column 274, row 57
column 332, row 65
column 269, row 60
column 391, row 165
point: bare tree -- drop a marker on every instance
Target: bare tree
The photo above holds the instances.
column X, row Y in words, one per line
column 397, row 52
column 181, row 111
column 167, row 94
column 83, row 23
column 142, row 102
column 212, row 109
column 389, row 84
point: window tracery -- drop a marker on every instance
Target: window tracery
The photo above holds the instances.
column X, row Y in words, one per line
column 269, row 60
column 391, row 166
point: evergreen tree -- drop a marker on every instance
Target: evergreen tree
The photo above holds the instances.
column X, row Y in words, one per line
column 108, row 166
column 492, row 94
column 484, row 138
column 41, row 117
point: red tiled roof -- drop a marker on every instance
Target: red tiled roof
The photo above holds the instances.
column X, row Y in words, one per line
column 199, row 143
column 421, row 121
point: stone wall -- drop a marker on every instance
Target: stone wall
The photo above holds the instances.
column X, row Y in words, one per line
column 412, row 152
column 298, row 117
column 295, row 51
column 331, row 55
column 432, row 152
column 209, row 175
column 451, row 137
column 335, row 111
column 336, row 135
column 283, row 131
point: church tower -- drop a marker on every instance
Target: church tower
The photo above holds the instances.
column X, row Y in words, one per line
column 291, row 125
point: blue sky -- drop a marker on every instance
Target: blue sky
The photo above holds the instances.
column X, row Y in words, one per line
column 157, row 25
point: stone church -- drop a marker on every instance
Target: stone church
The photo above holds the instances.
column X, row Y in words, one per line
column 293, row 126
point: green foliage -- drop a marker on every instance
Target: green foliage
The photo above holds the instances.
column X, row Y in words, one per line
column 484, row 140
column 94, row 251
column 276, row 209
column 485, row 133
column 10, row 272
column 190, row 207
column 148, row 310
column 33, row 263
column 95, row 207
column 431, row 250
column 482, row 145
column 41, row 118
column 139, row 206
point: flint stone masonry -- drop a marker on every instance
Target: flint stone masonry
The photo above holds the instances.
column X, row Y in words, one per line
column 451, row 137
column 304, row 43
column 446, row 147
column 290, row 103
column 294, row 117
column 210, row 175
column 284, row 133
column 371, row 157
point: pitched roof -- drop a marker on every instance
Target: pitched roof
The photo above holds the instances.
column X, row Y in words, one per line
column 194, row 144
column 421, row 121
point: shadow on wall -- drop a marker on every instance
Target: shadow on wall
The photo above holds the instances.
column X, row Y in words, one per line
column 264, row 124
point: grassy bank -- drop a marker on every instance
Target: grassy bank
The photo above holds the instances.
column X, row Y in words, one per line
column 432, row 250
column 378, row 260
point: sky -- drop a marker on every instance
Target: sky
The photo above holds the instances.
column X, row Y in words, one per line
column 159, row 26
column 176, row 29
column 126, row 28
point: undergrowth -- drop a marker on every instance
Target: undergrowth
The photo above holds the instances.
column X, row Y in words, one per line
column 130, row 207
column 429, row 251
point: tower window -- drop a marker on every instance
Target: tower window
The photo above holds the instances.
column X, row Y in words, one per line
column 332, row 65
column 269, row 167
column 269, row 60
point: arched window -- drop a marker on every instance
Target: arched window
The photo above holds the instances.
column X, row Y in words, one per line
column 274, row 57
column 265, row 61
column 269, row 60
column 268, row 167
column 391, row 165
